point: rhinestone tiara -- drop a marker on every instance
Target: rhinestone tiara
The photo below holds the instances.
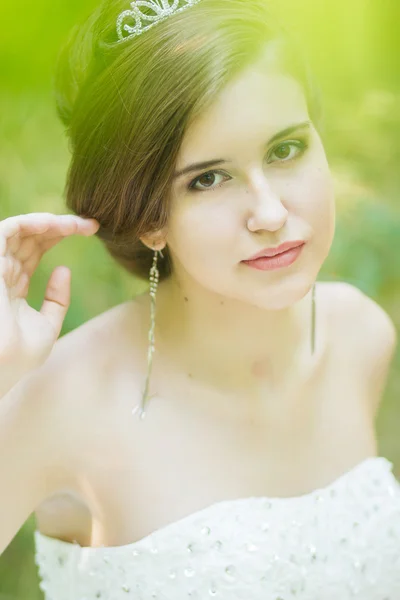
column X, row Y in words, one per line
column 160, row 10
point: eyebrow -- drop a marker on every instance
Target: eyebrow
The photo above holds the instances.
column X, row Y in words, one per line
column 218, row 161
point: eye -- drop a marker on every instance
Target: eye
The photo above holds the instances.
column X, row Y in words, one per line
column 283, row 150
column 284, row 154
column 206, row 179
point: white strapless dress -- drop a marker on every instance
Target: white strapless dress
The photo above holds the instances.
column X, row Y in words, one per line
column 336, row 543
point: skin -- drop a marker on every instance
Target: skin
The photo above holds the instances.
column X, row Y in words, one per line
column 248, row 326
column 232, row 418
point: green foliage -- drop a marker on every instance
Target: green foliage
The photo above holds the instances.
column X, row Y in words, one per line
column 362, row 130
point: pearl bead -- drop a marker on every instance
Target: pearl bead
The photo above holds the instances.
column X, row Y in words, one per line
column 275, row 550
column 217, row 545
column 230, row 571
column 251, row 547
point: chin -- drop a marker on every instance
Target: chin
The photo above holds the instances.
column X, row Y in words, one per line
column 282, row 295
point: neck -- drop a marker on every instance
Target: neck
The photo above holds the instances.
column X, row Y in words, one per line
column 231, row 345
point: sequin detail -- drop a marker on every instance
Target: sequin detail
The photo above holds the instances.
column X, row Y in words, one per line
column 326, row 545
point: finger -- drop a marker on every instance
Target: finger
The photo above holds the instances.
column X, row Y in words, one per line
column 31, row 264
column 5, row 269
column 21, row 289
column 3, row 245
column 23, row 233
column 33, row 248
column 40, row 223
column 85, row 227
column 48, row 244
column 25, row 224
column 89, row 227
column 22, row 249
column 14, row 272
column 66, row 225
column 57, row 298
column 5, row 309
column 51, row 226
column 32, row 253
column 11, row 273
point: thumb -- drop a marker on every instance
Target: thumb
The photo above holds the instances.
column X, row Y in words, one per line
column 57, row 298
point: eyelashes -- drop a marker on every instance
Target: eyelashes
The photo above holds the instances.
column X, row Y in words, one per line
column 300, row 144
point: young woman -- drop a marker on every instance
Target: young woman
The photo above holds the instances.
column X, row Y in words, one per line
column 222, row 445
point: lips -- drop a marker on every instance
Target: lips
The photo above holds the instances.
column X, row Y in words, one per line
column 279, row 261
column 268, row 252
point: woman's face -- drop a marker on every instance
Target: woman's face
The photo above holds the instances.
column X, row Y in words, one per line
column 263, row 192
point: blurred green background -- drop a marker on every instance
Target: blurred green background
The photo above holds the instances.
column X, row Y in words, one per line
column 354, row 50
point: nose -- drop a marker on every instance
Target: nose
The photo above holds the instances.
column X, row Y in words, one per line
column 265, row 208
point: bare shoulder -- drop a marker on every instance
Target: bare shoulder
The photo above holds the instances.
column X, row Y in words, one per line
column 47, row 417
column 95, row 335
column 72, row 385
column 371, row 335
column 375, row 324
column 66, row 389
column 82, row 358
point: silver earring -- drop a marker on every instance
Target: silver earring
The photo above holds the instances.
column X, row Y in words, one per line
column 313, row 320
column 154, row 279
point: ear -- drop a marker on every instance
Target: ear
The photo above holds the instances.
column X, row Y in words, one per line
column 155, row 240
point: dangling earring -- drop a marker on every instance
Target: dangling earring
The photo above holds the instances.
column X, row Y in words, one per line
column 313, row 320
column 154, row 279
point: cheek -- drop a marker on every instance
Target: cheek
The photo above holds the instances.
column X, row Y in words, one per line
column 321, row 211
column 199, row 232
column 318, row 196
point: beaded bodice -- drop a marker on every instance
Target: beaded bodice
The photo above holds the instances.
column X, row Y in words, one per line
column 342, row 541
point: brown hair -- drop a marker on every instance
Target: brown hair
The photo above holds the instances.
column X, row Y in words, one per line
column 127, row 106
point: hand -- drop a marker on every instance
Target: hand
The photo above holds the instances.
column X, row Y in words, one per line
column 27, row 336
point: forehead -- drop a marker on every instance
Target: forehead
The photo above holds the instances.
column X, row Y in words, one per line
column 249, row 110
